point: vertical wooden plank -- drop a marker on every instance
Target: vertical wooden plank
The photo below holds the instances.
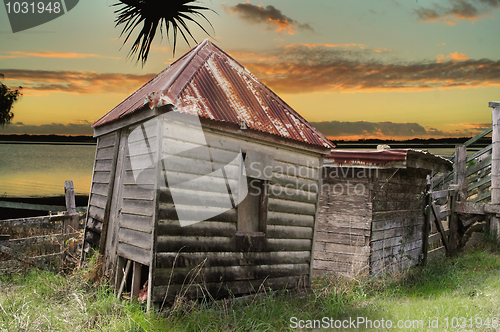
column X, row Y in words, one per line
column 264, row 198
column 69, row 228
column 109, row 195
column 120, row 266
column 315, row 225
column 159, row 181
column 440, row 227
column 115, row 201
column 495, row 164
column 461, row 172
column 460, row 195
column 453, row 224
column 136, row 280
column 124, row 279
column 69, row 192
column 84, row 246
column 426, row 230
column 150, row 283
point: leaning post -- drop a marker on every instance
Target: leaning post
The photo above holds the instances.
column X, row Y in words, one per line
column 495, row 164
column 70, row 223
column 69, row 192
column 459, row 195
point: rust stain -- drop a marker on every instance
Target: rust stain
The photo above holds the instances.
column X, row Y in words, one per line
column 207, row 82
column 377, row 158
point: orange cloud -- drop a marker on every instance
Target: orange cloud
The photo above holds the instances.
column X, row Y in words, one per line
column 161, row 48
column 50, row 54
column 325, row 45
column 282, row 25
column 79, row 82
column 455, row 56
column 251, row 56
column 355, row 130
column 312, row 67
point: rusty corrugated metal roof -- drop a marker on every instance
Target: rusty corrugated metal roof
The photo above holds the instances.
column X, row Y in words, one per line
column 209, row 83
column 386, row 159
column 380, row 158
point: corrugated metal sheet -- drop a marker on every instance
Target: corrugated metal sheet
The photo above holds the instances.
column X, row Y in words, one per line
column 209, row 83
column 385, row 158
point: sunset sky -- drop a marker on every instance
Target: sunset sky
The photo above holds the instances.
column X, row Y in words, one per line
column 392, row 69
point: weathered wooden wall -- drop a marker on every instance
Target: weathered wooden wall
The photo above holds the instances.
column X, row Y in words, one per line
column 344, row 221
column 369, row 220
column 233, row 264
column 133, row 207
column 101, row 188
column 398, row 218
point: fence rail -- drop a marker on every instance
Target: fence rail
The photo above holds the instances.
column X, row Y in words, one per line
column 51, row 251
column 478, row 174
column 37, row 207
column 469, row 193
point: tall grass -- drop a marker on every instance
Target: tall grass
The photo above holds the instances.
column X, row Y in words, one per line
column 467, row 286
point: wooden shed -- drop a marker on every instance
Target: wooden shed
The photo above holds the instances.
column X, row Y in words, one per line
column 371, row 212
column 205, row 169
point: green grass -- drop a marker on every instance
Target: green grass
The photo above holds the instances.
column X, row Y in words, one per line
column 467, row 286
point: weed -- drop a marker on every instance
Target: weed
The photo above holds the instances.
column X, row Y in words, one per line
column 465, row 286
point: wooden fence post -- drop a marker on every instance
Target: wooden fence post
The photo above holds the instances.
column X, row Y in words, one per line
column 70, row 223
column 459, row 194
column 461, row 172
column 427, row 228
column 495, row 165
column 69, row 192
column 453, row 224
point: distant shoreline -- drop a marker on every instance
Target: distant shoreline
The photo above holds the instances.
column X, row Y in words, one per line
column 430, row 143
column 47, row 139
column 45, row 143
column 55, row 200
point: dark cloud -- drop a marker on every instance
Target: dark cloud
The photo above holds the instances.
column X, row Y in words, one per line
column 270, row 16
column 393, row 130
column 457, row 10
column 75, row 81
column 81, row 128
column 310, row 68
column 368, row 129
column 296, row 68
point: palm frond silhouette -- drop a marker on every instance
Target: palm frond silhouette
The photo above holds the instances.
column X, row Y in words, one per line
column 154, row 15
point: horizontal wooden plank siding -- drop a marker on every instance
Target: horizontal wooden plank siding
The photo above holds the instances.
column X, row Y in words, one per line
column 230, row 273
column 290, row 206
column 235, row 261
column 202, row 289
column 289, row 219
column 137, row 198
column 398, row 219
column 369, row 220
column 100, row 187
column 134, row 253
column 187, row 259
column 344, row 221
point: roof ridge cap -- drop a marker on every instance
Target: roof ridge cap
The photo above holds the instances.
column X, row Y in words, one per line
column 167, row 86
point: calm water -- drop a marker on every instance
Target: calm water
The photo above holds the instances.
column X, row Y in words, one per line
column 41, row 169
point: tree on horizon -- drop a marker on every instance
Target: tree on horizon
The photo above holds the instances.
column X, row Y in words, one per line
column 154, row 14
column 8, row 97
